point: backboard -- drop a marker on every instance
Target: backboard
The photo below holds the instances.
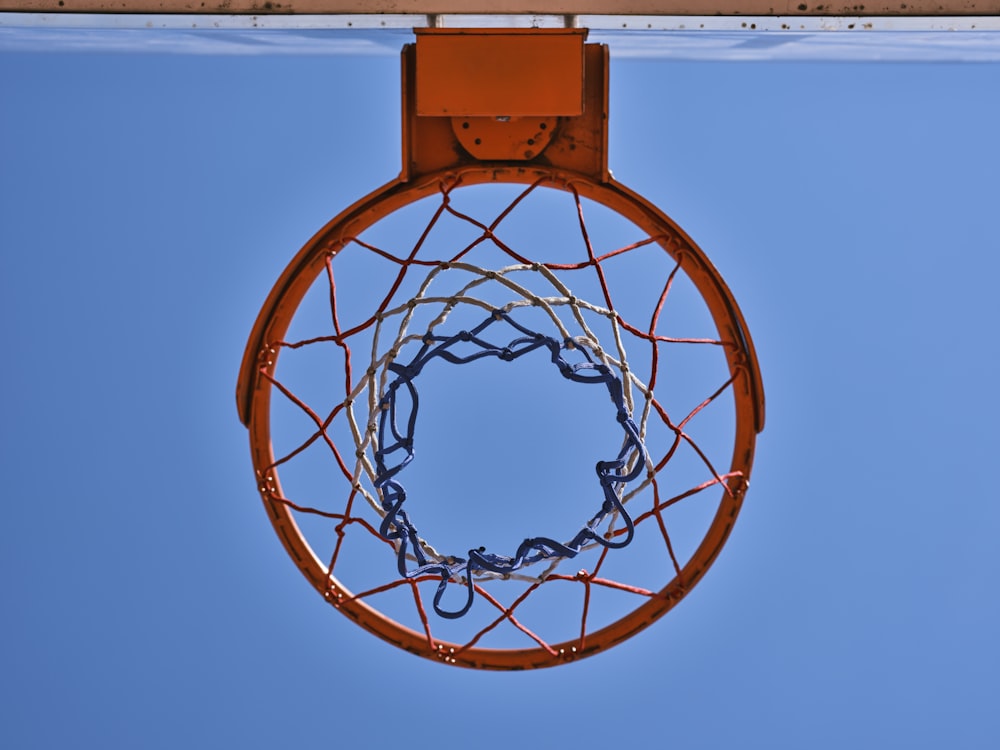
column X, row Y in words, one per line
column 737, row 30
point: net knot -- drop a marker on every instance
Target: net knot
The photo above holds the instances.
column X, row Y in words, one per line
column 406, row 372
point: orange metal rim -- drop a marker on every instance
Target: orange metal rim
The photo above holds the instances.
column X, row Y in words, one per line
column 254, row 390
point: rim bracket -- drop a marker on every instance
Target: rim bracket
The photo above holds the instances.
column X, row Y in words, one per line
column 509, row 96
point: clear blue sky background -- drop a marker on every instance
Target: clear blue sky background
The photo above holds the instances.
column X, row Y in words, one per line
column 148, row 202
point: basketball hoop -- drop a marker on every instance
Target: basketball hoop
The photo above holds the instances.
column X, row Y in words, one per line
column 465, row 288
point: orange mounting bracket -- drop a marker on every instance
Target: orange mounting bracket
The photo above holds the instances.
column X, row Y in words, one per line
column 510, row 96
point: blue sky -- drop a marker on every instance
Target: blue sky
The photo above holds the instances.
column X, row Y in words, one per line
column 147, row 204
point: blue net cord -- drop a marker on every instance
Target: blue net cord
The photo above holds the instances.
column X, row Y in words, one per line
column 395, row 452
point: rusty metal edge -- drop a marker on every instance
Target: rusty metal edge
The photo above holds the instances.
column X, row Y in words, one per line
column 430, row 10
